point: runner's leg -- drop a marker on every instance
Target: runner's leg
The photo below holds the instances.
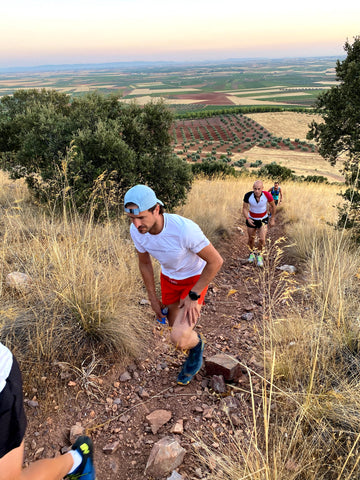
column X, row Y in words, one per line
column 262, row 236
column 182, row 334
column 251, row 237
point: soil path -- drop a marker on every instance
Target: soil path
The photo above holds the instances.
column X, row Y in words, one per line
column 114, row 409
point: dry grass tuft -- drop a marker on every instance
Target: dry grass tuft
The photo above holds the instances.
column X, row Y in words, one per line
column 216, row 204
column 307, row 422
column 85, row 288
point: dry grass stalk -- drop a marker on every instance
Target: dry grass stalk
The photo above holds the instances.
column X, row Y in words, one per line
column 307, row 424
column 86, row 285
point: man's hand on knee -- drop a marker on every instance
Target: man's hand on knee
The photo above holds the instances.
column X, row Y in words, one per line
column 191, row 311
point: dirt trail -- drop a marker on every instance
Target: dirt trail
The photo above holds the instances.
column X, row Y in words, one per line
column 118, row 413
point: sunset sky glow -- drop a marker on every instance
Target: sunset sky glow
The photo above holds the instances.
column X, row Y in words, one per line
column 38, row 32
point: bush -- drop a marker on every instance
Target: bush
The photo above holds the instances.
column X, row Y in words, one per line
column 213, row 169
column 276, row 172
column 256, row 164
column 68, row 148
column 240, row 163
column 316, row 179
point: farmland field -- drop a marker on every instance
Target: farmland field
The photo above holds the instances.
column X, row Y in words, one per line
column 188, row 87
column 253, row 140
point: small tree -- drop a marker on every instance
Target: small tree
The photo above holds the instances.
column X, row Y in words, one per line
column 339, row 134
column 55, row 144
column 276, row 172
column 213, row 169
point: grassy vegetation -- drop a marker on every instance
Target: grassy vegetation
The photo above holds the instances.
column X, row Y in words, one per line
column 85, row 285
column 305, row 418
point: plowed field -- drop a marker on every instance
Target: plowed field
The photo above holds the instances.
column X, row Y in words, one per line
column 227, row 133
column 263, row 138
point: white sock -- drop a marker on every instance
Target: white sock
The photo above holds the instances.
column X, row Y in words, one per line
column 77, row 458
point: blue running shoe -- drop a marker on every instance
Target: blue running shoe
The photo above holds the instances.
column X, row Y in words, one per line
column 192, row 364
column 85, row 470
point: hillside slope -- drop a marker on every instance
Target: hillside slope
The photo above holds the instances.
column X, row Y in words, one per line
column 113, row 410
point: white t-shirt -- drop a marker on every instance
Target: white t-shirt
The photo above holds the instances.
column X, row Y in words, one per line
column 6, row 361
column 175, row 247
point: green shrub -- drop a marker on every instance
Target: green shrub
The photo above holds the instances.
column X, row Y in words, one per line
column 213, row 169
column 240, row 163
column 256, row 164
column 316, row 179
column 275, row 171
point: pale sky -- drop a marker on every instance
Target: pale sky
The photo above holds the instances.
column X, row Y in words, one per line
column 38, row 32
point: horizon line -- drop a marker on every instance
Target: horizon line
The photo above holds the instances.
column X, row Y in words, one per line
column 20, row 67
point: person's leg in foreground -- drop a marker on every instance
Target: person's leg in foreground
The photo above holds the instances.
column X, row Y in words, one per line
column 184, row 337
column 50, row 468
column 78, row 463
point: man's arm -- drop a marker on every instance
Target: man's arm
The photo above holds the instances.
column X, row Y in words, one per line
column 280, row 195
column 147, row 273
column 214, row 262
column 246, row 213
column 272, row 207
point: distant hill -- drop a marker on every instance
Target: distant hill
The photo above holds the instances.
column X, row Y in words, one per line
column 85, row 66
column 144, row 65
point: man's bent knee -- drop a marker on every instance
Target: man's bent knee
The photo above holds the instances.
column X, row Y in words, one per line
column 183, row 336
column 181, row 339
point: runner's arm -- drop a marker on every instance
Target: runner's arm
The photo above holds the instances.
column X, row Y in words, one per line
column 147, row 273
column 281, row 195
column 272, row 207
column 214, row 262
column 246, row 212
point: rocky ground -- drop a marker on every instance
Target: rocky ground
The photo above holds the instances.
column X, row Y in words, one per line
column 112, row 407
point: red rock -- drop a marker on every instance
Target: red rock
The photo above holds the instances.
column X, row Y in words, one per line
column 225, row 365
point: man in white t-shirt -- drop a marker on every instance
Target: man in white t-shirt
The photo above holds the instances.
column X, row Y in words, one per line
column 255, row 210
column 188, row 264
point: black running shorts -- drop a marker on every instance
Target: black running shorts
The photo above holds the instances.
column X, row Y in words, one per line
column 12, row 414
column 258, row 223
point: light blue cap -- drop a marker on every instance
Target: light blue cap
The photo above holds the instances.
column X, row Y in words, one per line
column 142, row 196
